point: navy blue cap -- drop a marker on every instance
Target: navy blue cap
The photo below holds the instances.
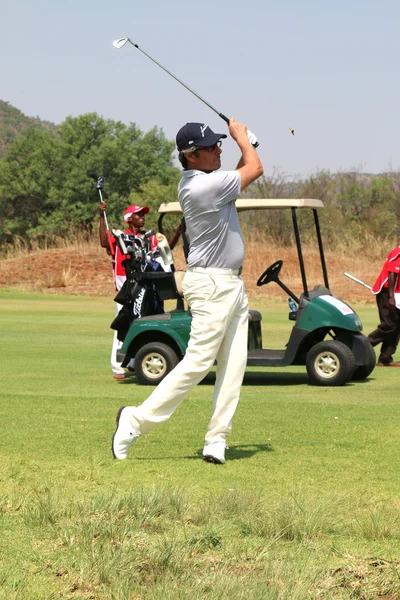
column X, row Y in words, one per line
column 196, row 135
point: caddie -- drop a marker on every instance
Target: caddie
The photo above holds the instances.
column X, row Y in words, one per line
column 134, row 217
column 212, row 286
column 387, row 291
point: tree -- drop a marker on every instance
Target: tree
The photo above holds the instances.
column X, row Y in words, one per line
column 26, row 179
column 44, row 184
column 152, row 195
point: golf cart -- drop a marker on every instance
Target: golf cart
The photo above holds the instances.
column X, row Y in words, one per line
column 326, row 336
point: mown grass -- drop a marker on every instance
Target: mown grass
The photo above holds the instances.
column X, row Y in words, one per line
column 306, row 506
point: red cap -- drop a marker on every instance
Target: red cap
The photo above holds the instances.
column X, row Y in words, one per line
column 131, row 210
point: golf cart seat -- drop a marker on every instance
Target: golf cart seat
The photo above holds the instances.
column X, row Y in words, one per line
column 178, row 276
column 254, row 340
column 318, row 290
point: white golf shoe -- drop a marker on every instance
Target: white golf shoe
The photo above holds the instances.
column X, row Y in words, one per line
column 215, row 453
column 124, row 435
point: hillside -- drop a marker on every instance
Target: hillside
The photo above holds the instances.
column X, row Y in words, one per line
column 13, row 121
column 86, row 270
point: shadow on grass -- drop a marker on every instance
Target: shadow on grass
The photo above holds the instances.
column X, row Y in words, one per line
column 235, row 452
column 275, row 378
column 250, row 379
column 240, row 451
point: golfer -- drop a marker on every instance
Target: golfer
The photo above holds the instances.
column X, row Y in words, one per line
column 212, row 286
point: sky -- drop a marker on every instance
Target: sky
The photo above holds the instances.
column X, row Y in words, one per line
column 327, row 69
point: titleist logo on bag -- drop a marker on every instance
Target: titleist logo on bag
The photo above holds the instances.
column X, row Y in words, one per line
column 137, row 305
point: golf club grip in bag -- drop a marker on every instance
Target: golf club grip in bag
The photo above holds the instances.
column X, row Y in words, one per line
column 164, row 249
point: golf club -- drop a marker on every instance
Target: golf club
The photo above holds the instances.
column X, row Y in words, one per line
column 119, row 236
column 146, row 240
column 100, row 186
column 357, row 281
column 121, row 43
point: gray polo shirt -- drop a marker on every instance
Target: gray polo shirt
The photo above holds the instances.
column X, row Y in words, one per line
column 208, row 204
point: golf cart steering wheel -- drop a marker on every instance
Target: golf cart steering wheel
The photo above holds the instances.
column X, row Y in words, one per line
column 271, row 274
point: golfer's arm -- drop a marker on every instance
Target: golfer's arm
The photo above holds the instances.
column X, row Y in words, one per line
column 240, row 164
column 103, row 233
column 249, row 166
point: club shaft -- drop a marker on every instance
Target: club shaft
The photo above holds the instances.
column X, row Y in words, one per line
column 358, row 281
column 220, row 114
column 104, row 213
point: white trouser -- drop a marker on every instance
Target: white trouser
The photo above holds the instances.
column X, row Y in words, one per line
column 115, row 365
column 219, row 308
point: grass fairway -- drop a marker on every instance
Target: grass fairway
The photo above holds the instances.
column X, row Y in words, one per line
column 306, row 506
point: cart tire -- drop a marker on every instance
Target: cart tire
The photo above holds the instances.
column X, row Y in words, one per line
column 330, row 363
column 153, row 362
column 363, row 371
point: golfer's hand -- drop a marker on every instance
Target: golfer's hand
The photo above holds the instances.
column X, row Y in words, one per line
column 238, row 131
column 102, row 207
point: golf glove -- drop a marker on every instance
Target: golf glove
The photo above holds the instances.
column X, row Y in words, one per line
column 252, row 139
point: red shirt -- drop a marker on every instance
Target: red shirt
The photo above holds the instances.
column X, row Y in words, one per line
column 117, row 257
column 391, row 265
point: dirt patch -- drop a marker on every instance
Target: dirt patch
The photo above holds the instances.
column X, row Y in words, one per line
column 79, row 270
column 86, row 270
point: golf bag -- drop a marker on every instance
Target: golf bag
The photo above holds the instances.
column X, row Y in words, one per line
column 138, row 295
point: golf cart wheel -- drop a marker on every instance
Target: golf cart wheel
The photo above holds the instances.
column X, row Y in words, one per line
column 153, row 362
column 330, row 363
column 363, row 371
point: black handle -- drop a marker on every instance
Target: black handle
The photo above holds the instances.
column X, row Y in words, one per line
column 227, row 121
column 99, row 180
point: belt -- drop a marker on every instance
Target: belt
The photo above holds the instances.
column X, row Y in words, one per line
column 216, row 271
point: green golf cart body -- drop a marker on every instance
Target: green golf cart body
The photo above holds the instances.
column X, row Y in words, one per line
column 326, row 336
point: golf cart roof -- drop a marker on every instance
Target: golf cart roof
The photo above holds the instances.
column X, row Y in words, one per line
column 174, row 208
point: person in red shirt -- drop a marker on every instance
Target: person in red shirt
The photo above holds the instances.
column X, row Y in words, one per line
column 134, row 217
column 387, row 291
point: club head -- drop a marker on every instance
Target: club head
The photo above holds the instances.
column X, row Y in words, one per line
column 100, row 183
column 99, row 180
column 120, row 43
